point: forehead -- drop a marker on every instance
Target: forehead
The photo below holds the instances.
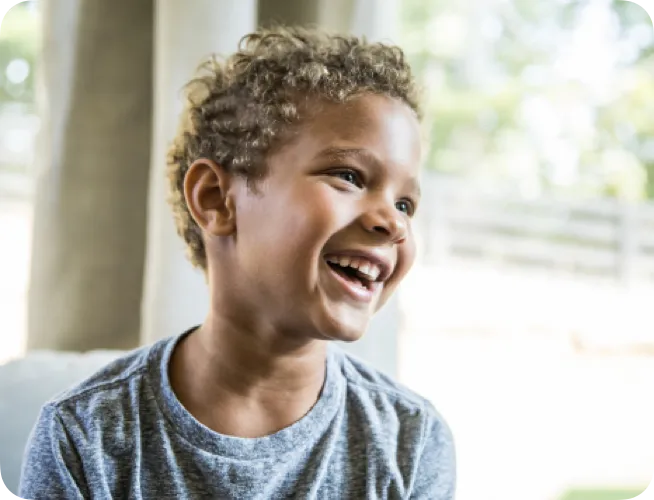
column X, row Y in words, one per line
column 384, row 128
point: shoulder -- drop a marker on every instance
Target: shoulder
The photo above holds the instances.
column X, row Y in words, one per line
column 96, row 414
column 111, row 389
column 382, row 394
column 114, row 374
column 403, row 425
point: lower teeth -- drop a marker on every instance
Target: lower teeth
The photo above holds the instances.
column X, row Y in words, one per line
column 355, row 279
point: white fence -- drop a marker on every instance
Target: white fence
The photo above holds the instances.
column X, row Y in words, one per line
column 606, row 239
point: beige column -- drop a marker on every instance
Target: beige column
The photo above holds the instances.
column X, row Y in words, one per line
column 93, row 162
column 175, row 295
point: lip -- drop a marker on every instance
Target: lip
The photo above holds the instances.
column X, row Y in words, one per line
column 385, row 264
column 358, row 293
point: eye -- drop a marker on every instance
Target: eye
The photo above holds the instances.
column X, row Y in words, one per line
column 350, row 176
column 406, row 206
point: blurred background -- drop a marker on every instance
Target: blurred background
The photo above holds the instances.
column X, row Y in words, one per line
column 528, row 320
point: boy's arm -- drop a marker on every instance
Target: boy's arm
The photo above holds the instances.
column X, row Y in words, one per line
column 52, row 467
column 436, row 473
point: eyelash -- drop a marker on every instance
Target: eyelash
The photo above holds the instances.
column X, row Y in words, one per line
column 358, row 182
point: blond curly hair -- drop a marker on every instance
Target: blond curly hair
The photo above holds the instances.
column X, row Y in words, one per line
column 237, row 110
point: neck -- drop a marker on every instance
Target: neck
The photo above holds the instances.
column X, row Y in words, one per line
column 248, row 361
column 243, row 381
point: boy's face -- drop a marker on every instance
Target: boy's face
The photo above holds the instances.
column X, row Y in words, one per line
column 340, row 193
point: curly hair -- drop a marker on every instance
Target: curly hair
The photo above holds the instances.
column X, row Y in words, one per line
column 236, row 111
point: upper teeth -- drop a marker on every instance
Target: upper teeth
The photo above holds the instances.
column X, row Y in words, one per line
column 365, row 268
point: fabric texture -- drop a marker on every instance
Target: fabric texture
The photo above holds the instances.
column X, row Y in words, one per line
column 122, row 433
column 25, row 385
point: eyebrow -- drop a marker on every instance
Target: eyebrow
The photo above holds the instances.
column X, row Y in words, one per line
column 339, row 153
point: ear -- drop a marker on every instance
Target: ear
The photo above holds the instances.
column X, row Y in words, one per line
column 208, row 197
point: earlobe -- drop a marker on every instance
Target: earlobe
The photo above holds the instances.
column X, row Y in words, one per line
column 209, row 198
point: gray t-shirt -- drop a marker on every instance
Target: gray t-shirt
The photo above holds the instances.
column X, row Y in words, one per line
column 123, row 434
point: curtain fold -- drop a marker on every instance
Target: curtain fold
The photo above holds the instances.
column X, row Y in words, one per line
column 175, row 294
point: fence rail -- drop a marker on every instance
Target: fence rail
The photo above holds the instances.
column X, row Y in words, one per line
column 610, row 239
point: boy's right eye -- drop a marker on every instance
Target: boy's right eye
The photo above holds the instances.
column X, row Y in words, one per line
column 350, row 176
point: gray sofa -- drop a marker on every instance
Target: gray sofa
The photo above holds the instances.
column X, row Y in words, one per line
column 25, row 385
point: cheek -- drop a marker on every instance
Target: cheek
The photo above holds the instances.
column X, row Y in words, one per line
column 320, row 213
column 294, row 229
column 405, row 259
column 409, row 251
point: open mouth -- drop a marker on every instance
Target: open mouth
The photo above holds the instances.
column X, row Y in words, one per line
column 352, row 275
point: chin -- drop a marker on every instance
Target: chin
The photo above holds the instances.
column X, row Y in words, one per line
column 350, row 338
column 344, row 329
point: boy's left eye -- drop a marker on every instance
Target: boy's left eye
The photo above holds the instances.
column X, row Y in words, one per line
column 405, row 206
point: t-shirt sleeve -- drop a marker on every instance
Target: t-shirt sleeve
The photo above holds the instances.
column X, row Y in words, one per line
column 51, row 467
column 436, row 472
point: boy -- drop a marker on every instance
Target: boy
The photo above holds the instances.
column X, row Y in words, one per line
column 293, row 183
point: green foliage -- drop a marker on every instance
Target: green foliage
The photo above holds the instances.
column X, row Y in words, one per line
column 19, row 41
column 492, row 72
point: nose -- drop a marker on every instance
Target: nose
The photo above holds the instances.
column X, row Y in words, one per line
column 387, row 222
